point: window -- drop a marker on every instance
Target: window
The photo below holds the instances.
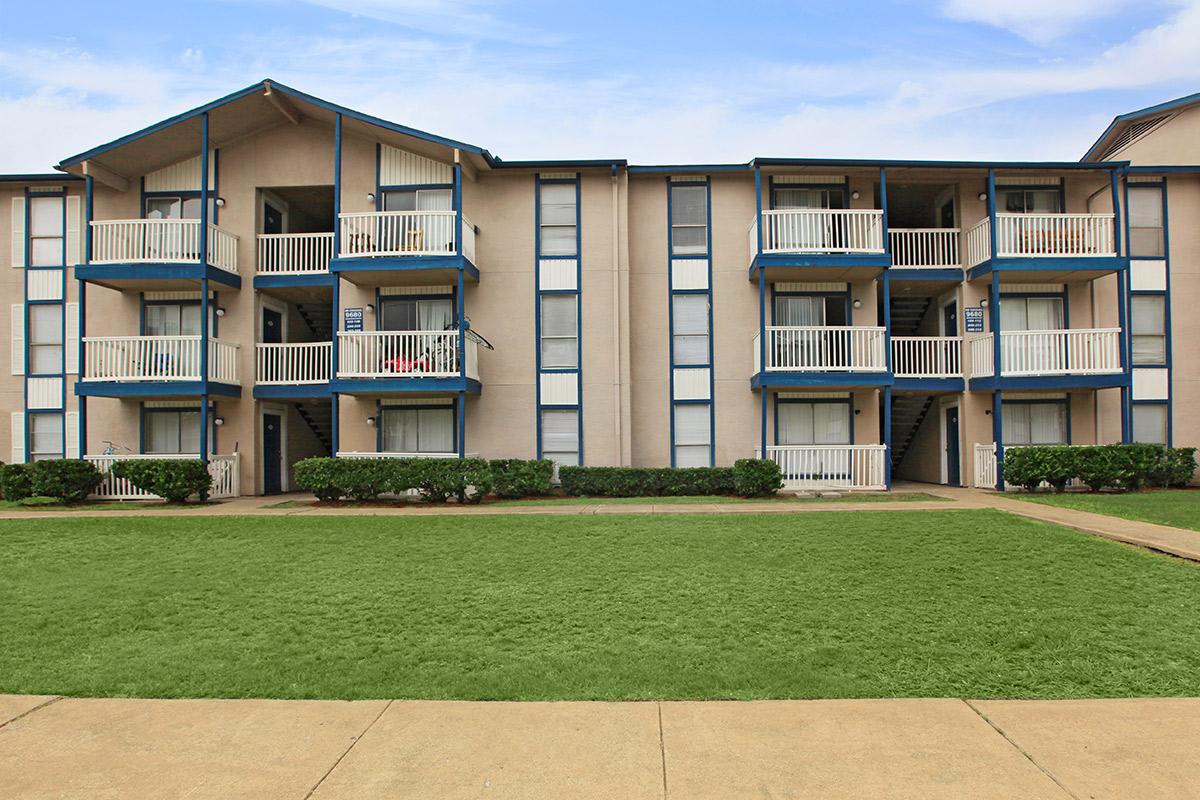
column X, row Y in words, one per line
column 1035, row 423
column 417, row 430
column 434, row 314
column 560, row 332
column 689, row 220
column 795, row 310
column 1145, row 221
column 45, row 436
column 1029, row 201
column 812, row 423
column 693, row 435
column 809, row 198
column 45, row 339
column 172, row 319
column 172, row 431
column 1147, row 327
column 558, row 219
column 46, row 231
column 174, row 207
column 560, row 436
column 1031, row 313
column 690, row 337
column 418, row 200
column 1150, row 423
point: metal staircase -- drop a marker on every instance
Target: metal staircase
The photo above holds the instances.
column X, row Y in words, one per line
column 908, row 412
column 907, row 313
column 318, row 318
column 319, row 419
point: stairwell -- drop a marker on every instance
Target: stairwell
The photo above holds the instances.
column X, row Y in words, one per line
column 907, row 313
column 318, row 318
column 319, row 419
column 908, row 412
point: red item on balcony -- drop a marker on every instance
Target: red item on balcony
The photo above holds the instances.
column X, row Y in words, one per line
column 408, row 364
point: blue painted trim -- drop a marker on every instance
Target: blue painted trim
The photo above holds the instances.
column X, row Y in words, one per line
column 931, row 385
column 403, row 385
column 297, row 391
column 904, row 274
column 403, row 264
column 155, row 389
column 205, row 320
column 1102, row 265
column 876, row 261
column 135, row 273
column 1050, row 382
column 1121, row 119
column 289, row 281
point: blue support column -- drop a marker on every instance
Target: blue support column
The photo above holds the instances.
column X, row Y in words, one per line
column 461, row 418
column 762, row 352
column 998, row 437
column 460, row 313
column 1124, row 312
column 334, row 399
column 336, row 302
column 205, row 320
column 88, row 211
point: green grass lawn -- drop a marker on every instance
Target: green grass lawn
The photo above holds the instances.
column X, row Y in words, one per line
column 846, row 497
column 860, row 604
column 45, row 504
column 1179, row 508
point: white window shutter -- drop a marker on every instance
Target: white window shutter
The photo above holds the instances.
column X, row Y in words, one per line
column 74, row 240
column 71, row 354
column 18, row 338
column 72, row 432
column 18, row 232
column 18, row 437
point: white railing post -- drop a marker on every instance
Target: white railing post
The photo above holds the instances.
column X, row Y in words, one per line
column 305, row 362
column 225, row 469
column 398, row 233
column 294, row 253
column 398, row 354
column 924, row 248
column 822, row 231
column 927, row 356
column 826, row 348
column 834, row 466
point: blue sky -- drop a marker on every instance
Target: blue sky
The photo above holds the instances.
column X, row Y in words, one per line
column 655, row 82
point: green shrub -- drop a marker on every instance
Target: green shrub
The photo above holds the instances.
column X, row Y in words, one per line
column 67, row 479
column 1030, row 467
column 173, row 479
column 364, row 479
column 319, row 476
column 1117, row 466
column 649, row 481
column 15, row 481
column 684, row 481
column 514, row 477
column 756, row 477
column 1176, row 467
column 1099, row 467
column 438, row 479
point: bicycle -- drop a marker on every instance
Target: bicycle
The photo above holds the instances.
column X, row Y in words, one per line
column 111, row 448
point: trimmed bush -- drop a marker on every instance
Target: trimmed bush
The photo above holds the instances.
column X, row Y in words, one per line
column 756, row 477
column 1112, row 466
column 174, row 480
column 364, row 479
column 439, row 479
column 15, row 481
column 514, row 477
column 68, row 480
column 647, row 481
column 319, row 476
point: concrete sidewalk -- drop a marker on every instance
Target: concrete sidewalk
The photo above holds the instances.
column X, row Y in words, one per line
column 928, row 749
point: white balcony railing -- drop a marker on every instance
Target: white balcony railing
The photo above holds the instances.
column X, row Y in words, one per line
column 1043, row 236
column 924, row 248
column 819, row 231
column 404, row 233
column 306, row 362
column 403, row 354
column 294, row 253
column 927, row 356
column 126, row 359
column 823, row 349
column 225, row 471
column 833, row 466
column 1071, row 351
column 159, row 241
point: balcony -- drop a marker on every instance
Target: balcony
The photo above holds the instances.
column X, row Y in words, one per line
column 839, row 350
column 225, row 471
column 824, row 242
column 927, row 361
column 1083, row 243
column 294, row 253
column 1026, row 357
column 156, row 365
column 133, row 250
column 406, row 361
column 380, row 241
column 292, row 370
column 831, row 466
column 924, row 248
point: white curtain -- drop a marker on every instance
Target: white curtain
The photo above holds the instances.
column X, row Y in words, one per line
column 434, row 315
column 813, row 423
column 800, row 311
column 417, row 430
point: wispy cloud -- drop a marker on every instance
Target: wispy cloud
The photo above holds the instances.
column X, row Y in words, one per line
column 1039, row 21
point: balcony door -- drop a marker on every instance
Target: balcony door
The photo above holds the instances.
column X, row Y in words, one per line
column 800, row 423
column 808, row 350
column 806, row 232
column 171, row 319
column 420, row 233
column 1031, row 314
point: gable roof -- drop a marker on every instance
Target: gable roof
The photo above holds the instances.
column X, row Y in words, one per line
column 1125, row 128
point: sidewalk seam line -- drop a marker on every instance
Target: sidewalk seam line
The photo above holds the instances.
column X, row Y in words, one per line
column 38, row 707
column 346, row 752
column 662, row 749
column 1020, row 749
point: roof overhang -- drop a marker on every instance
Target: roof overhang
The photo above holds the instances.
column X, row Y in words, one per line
column 1123, row 121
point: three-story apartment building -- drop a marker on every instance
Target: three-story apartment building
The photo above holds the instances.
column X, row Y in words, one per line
column 272, row 276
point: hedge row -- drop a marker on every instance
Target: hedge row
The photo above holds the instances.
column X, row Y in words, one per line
column 174, row 480
column 748, row 478
column 1112, row 466
column 65, row 480
column 437, row 479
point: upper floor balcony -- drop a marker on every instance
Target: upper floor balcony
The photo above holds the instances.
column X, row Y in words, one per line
column 117, row 366
column 137, row 253
column 379, row 241
column 833, row 355
column 1089, row 356
column 1044, row 246
column 821, row 240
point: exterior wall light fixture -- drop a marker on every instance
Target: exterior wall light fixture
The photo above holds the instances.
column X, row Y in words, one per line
column 854, row 195
column 218, row 421
column 858, row 303
column 220, row 201
column 371, row 198
column 371, row 421
column 983, row 197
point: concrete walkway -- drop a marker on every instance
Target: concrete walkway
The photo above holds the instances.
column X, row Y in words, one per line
column 1175, row 541
column 928, row 749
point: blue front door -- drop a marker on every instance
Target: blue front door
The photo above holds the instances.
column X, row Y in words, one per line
column 953, row 476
